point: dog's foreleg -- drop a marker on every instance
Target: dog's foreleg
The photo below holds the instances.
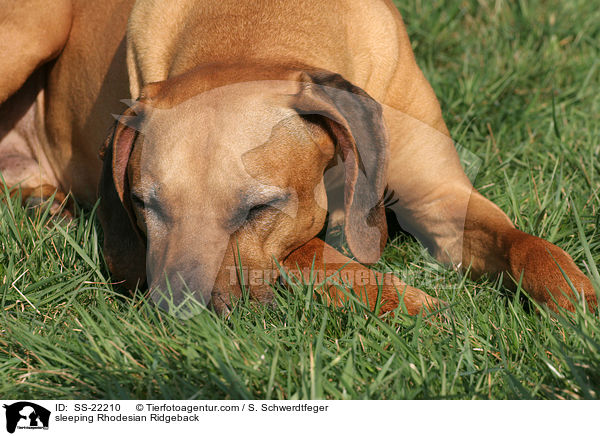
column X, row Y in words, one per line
column 437, row 204
column 337, row 276
column 32, row 32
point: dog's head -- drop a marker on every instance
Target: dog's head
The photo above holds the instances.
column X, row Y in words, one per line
column 219, row 172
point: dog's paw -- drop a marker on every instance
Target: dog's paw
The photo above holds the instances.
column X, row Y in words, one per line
column 46, row 196
column 543, row 267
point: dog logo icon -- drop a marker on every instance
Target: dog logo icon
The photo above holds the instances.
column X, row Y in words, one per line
column 26, row 415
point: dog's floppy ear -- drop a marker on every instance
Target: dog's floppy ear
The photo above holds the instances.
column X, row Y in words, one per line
column 124, row 246
column 355, row 122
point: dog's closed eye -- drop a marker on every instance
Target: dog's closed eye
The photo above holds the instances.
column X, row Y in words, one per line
column 273, row 204
column 137, row 200
column 258, row 205
column 257, row 210
column 148, row 203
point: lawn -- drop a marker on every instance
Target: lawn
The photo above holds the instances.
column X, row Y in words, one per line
column 518, row 82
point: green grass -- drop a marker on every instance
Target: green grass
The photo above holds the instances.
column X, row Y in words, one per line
column 518, row 83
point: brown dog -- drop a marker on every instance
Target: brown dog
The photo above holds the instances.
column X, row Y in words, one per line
column 238, row 110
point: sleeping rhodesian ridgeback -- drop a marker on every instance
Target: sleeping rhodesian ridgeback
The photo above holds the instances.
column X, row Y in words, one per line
column 236, row 114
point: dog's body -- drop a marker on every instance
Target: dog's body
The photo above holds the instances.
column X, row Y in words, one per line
column 251, row 80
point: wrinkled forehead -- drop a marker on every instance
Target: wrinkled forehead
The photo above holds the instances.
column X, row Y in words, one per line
column 234, row 118
column 210, row 133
